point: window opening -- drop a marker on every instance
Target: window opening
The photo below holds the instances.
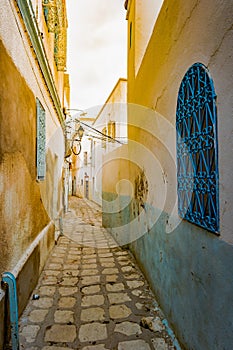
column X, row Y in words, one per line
column 197, row 153
column 41, row 141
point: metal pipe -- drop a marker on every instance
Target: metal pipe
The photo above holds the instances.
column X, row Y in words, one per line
column 9, row 279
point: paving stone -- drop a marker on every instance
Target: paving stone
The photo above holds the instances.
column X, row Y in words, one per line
column 89, row 251
column 89, row 257
column 49, row 280
column 64, row 291
column 58, row 254
column 108, row 264
column 69, row 281
column 117, row 298
column 119, row 311
column 64, row 316
column 90, row 272
column 71, row 273
column 92, row 314
column 134, row 284
column 86, row 280
column 56, row 260
column 123, row 262
column 51, row 273
column 92, row 332
column 47, row 290
column 66, row 302
column 71, row 267
column 43, row 303
column 74, row 256
column 61, row 333
column 30, row 333
column 133, row 345
column 105, row 255
column 111, row 278
column 128, row 328
column 103, row 250
column 121, row 253
column 74, row 262
column 89, row 266
column 137, row 292
column 38, row 315
column 115, row 287
column 103, row 260
column 159, row 344
column 89, row 300
column 132, row 276
column 139, row 306
column 110, row 271
column 91, row 289
column 127, row 268
column 55, row 266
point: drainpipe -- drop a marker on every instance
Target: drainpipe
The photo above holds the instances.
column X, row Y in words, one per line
column 9, row 279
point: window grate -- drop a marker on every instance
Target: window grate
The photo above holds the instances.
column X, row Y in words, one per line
column 41, row 141
column 197, row 158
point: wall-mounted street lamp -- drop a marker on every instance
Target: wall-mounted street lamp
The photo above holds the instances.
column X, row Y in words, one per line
column 76, row 141
column 74, row 144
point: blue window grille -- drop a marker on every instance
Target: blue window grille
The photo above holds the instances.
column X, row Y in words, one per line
column 197, row 151
column 41, row 141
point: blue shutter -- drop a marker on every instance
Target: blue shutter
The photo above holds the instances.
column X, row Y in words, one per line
column 41, row 141
column 197, row 151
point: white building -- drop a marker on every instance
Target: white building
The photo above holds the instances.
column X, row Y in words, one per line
column 111, row 122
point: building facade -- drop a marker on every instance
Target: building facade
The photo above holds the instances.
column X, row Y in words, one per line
column 112, row 122
column 34, row 90
column 177, row 218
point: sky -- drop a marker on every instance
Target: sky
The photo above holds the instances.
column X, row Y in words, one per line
column 97, row 46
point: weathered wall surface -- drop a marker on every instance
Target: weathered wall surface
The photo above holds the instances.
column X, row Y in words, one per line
column 28, row 207
column 113, row 111
column 187, row 266
column 23, row 214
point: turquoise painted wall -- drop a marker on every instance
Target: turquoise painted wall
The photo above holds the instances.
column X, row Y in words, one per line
column 190, row 272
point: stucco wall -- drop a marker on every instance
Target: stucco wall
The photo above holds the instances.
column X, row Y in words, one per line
column 28, row 207
column 186, row 33
column 187, row 266
column 114, row 110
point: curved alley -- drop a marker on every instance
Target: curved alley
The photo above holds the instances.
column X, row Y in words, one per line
column 91, row 294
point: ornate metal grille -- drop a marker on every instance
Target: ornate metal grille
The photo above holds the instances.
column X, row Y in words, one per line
column 41, row 141
column 197, row 154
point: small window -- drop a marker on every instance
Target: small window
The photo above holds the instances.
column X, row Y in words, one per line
column 197, row 151
column 111, row 130
column 41, row 141
column 85, row 158
column 130, row 35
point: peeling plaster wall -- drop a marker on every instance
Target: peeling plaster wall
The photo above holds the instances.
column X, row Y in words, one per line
column 28, row 207
column 188, row 267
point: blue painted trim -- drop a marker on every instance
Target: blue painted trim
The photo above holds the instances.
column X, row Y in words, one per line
column 9, row 279
column 171, row 334
column 28, row 16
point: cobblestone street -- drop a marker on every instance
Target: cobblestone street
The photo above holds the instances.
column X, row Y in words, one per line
column 91, row 294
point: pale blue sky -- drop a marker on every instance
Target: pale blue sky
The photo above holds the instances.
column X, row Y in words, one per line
column 97, row 44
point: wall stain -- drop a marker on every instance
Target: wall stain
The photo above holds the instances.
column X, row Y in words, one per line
column 140, row 193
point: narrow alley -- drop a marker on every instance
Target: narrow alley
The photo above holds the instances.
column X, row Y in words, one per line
column 91, row 294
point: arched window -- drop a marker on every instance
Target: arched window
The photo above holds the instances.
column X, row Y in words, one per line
column 197, row 151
